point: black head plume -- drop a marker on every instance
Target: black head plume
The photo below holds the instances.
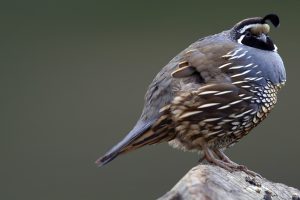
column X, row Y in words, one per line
column 272, row 18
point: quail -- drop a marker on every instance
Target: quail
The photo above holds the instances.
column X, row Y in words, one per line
column 211, row 94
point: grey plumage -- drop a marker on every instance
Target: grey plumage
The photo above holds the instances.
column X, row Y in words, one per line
column 211, row 94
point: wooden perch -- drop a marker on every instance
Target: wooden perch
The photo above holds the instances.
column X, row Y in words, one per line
column 208, row 182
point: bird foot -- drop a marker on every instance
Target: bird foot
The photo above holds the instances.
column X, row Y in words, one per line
column 235, row 167
column 218, row 158
column 247, row 171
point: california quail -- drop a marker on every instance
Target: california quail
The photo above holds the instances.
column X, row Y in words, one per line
column 211, row 94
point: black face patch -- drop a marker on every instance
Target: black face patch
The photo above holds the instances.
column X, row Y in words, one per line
column 253, row 41
column 241, row 34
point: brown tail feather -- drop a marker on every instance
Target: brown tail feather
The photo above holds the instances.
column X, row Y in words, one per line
column 140, row 129
column 147, row 138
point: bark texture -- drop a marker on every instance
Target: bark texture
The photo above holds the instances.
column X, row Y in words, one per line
column 208, row 182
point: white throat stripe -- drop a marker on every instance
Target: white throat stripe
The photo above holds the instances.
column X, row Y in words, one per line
column 240, row 39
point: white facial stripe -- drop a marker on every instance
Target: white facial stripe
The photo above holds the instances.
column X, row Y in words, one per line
column 240, row 39
column 242, row 30
column 275, row 48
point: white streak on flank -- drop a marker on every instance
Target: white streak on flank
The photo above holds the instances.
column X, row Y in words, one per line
column 224, row 92
column 254, row 66
column 237, row 132
column 232, row 116
column 229, row 53
column 253, row 113
column 246, row 98
column 221, row 134
column 241, row 74
column 237, row 67
column 248, row 111
column 258, row 72
column 208, row 105
column 248, row 65
column 226, row 56
column 189, row 114
column 258, row 79
column 235, row 123
column 208, row 92
column 224, row 107
column 235, row 102
column 248, row 57
column 222, row 66
column 211, row 119
column 242, row 30
column 213, row 133
column 227, row 120
column 245, row 86
column 238, row 50
column 245, row 52
column 241, row 95
column 240, row 39
column 242, row 114
column 239, row 56
column 239, row 82
column 250, row 78
column 217, row 127
column 164, row 108
column 232, row 53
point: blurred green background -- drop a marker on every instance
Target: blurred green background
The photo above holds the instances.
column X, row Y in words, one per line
column 73, row 77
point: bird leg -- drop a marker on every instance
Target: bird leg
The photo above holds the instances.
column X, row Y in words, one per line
column 218, row 158
column 210, row 157
column 234, row 165
column 223, row 157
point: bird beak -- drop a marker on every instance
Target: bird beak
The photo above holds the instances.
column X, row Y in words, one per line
column 262, row 37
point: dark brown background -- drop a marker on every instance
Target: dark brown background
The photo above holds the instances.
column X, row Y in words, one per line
column 73, row 77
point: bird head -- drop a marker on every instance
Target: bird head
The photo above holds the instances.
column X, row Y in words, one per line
column 254, row 32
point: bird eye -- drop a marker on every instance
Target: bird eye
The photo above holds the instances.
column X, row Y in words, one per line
column 248, row 34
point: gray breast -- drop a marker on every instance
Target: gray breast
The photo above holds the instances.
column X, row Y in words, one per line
column 265, row 66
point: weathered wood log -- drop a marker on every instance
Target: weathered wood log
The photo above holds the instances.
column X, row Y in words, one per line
column 208, row 182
